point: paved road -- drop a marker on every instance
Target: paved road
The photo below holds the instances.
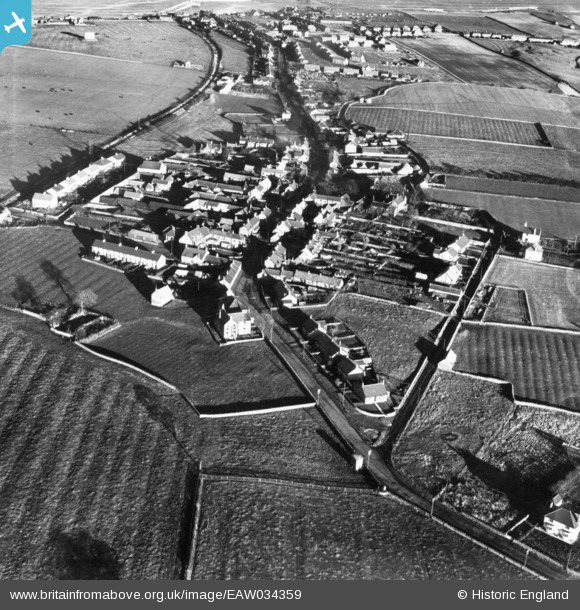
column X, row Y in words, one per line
column 291, row 351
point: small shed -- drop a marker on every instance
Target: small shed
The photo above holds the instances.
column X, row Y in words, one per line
column 90, row 36
column 161, row 296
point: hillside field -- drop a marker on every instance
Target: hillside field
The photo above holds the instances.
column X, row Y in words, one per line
column 485, row 101
column 474, row 64
column 235, row 54
column 261, row 530
column 543, row 366
column 144, row 42
column 446, row 125
column 92, row 483
column 532, row 25
column 553, row 292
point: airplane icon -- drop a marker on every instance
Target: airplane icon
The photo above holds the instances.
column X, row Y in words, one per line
column 17, row 23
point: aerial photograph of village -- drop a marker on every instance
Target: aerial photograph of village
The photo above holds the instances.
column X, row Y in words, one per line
column 290, row 292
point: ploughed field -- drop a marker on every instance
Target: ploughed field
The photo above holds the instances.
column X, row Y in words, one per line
column 92, row 483
column 139, row 41
column 543, row 366
column 446, row 125
column 264, row 530
column 553, row 292
column 559, row 219
column 509, row 306
column 474, row 64
column 479, row 100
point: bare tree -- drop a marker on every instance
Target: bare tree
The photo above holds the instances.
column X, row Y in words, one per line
column 86, row 298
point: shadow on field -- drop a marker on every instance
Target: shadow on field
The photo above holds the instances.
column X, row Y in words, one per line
column 338, row 447
column 24, row 292
column 56, row 276
column 78, row 556
column 141, row 283
column 73, row 35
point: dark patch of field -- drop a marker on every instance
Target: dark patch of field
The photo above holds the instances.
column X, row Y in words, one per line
column 228, row 102
column 509, row 306
column 498, row 161
column 235, row 54
column 559, row 219
column 553, row 292
column 513, row 188
column 543, row 366
column 474, row 64
column 267, row 531
column 139, row 41
column 446, row 125
column 477, row 100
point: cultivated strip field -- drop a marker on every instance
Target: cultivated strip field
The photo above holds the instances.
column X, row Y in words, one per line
column 397, row 343
column 543, row 366
column 559, row 219
column 474, row 64
column 246, row 104
column 235, row 54
column 145, row 42
column 534, row 26
column 484, row 101
column 466, row 23
column 498, row 161
column 91, row 482
column 443, row 124
column 264, row 530
column 513, row 188
column 553, row 292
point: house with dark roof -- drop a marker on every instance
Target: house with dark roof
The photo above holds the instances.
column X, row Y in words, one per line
column 563, row 524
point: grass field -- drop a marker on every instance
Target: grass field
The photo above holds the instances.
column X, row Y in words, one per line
column 268, row 531
column 543, row 366
column 238, row 377
column 498, row 161
column 91, row 482
column 474, row 64
column 396, row 336
column 485, row 456
column 553, row 292
column 245, row 104
column 106, row 7
column 235, row 54
column 93, row 98
column 508, row 305
column 513, row 188
column 485, row 101
column 564, row 138
column 466, row 23
column 200, row 123
column 534, row 26
column 559, row 219
column 443, row 124
column 172, row 342
column 559, row 62
column 145, row 42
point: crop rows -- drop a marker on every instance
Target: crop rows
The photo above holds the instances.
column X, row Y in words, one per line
column 264, row 531
column 543, row 366
column 447, row 125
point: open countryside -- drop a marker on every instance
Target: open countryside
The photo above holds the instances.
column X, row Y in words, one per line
column 329, row 334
